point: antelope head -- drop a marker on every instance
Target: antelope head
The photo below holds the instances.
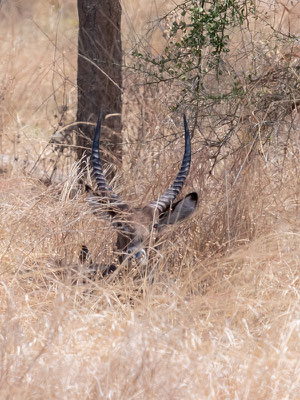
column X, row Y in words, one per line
column 138, row 227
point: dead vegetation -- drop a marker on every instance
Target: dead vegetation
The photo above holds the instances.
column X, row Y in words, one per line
column 221, row 320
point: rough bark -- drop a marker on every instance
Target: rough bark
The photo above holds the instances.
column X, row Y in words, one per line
column 99, row 76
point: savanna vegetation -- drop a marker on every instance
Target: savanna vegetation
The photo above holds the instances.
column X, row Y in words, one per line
column 222, row 317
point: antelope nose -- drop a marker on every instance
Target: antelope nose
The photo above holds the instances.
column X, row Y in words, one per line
column 137, row 255
column 141, row 254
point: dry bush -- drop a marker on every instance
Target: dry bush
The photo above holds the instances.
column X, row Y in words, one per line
column 38, row 82
column 212, row 326
column 220, row 321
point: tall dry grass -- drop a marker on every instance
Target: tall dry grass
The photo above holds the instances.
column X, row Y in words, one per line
column 222, row 318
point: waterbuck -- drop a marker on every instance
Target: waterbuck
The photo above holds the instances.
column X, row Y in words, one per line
column 138, row 227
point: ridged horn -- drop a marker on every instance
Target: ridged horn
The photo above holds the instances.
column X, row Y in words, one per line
column 165, row 200
column 103, row 186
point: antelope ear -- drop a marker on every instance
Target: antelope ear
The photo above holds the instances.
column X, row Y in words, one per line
column 180, row 210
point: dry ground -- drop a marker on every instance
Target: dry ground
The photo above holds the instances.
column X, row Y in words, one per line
column 222, row 319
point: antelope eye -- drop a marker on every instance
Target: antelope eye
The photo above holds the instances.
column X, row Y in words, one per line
column 155, row 226
column 117, row 225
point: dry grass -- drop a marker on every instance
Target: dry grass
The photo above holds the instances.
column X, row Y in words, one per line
column 222, row 318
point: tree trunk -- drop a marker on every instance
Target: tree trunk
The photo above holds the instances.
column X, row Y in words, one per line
column 99, row 76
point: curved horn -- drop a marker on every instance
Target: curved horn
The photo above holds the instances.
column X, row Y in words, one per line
column 103, row 186
column 170, row 195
